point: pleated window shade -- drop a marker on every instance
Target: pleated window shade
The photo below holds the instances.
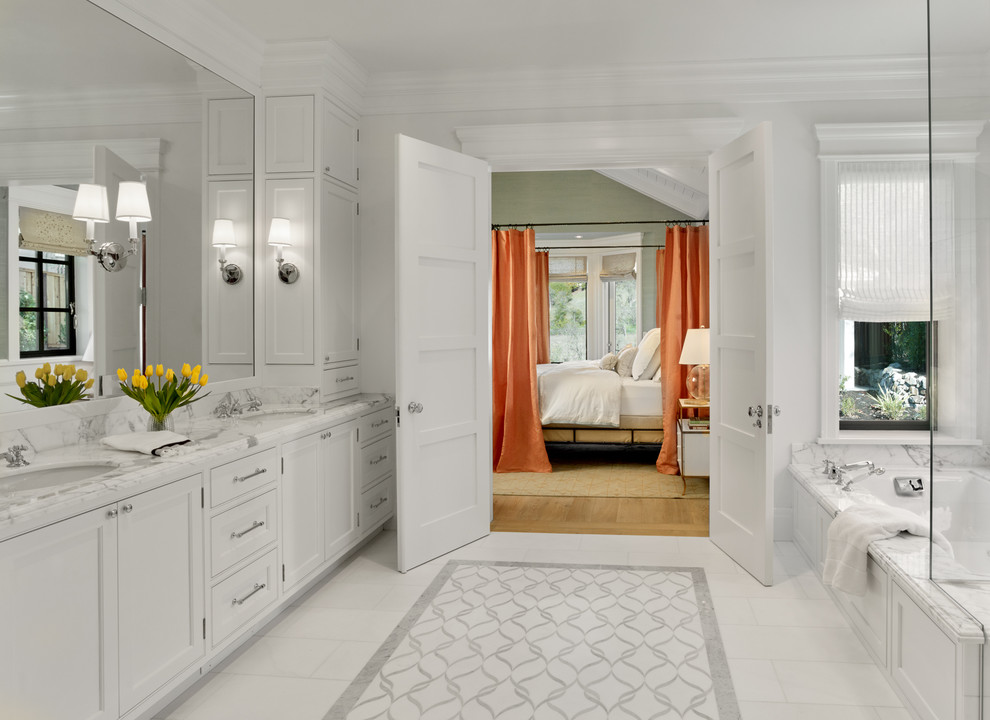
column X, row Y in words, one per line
column 886, row 267
column 568, row 268
column 619, row 267
column 51, row 232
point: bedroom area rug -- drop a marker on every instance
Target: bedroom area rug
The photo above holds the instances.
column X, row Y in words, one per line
column 516, row 641
column 616, row 473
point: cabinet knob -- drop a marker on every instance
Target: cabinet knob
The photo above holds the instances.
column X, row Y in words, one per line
column 415, row 407
column 112, row 513
column 127, row 508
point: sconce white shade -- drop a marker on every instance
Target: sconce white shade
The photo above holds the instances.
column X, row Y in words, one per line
column 695, row 349
column 280, row 233
column 91, row 204
column 132, row 202
column 223, row 233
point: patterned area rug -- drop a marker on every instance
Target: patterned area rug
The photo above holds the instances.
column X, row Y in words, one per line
column 516, row 641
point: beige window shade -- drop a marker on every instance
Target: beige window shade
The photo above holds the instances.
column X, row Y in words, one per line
column 51, row 232
column 619, row 267
column 564, row 268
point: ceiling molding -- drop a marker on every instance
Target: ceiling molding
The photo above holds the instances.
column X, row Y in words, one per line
column 663, row 188
column 315, row 63
column 897, row 138
column 71, row 161
column 596, row 145
column 792, row 79
column 122, row 106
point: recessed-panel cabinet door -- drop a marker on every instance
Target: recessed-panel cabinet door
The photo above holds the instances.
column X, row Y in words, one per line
column 58, row 635
column 302, row 508
column 160, row 587
column 338, row 246
column 339, row 455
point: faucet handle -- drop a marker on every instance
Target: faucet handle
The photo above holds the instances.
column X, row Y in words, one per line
column 829, row 467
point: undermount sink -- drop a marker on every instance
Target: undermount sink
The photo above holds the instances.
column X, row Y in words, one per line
column 39, row 477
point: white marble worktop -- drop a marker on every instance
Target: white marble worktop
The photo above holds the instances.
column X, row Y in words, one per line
column 906, row 558
column 213, row 440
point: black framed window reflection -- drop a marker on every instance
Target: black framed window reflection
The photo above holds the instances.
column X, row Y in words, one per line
column 46, row 285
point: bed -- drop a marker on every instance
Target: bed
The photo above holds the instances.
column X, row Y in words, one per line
column 582, row 403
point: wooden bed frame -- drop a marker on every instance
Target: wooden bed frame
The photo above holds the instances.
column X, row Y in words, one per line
column 632, row 430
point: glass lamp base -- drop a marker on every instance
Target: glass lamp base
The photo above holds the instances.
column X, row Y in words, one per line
column 697, row 383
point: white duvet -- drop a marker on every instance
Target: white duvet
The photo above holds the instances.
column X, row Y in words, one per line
column 578, row 393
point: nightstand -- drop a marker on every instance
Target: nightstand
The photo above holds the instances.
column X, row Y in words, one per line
column 692, row 449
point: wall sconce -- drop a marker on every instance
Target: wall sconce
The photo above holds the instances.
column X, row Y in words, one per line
column 223, row 238
column 132, row 207
column 279, row 236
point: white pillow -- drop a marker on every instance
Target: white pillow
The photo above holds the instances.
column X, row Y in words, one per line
column 608, row 362
column 625, row 362
column 656, row 378
column 647, row 356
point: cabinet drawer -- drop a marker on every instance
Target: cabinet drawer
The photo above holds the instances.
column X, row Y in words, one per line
column 240, row 531
column 241, row 597
column 377, row 460
column 376, row 424
column 376, row 504
column 242, row 476
column 340, row 381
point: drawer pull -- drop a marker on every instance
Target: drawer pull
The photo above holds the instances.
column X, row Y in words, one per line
column 258, row 587
column 345, row 379
column 378, row 459
column 379, row 423
column 380, row 502
column 257, row 524
column 257, row 471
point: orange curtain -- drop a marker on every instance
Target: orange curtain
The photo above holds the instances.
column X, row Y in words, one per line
column 541, row 303
column 684, row 306
column 517, row 433
column 659, row 268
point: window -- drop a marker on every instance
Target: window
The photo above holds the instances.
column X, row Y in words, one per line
column 594, row 303
column 47, row 304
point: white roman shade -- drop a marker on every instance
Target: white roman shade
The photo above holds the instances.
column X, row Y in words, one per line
column 619, row 267
column 568, row 268
column 884, row 254
column 51, row 232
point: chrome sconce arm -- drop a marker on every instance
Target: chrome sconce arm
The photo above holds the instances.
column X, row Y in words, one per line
column 92, row 207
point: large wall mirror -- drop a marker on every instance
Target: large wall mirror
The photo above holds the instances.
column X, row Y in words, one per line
column 86, row 98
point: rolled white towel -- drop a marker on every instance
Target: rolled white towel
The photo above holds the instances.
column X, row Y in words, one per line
column 850, row 534
column 149, row 443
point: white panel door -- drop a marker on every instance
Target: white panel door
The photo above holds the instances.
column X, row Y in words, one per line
column 443, row 379
column 58, row 635
column 302, row 508
column 116, row 322
column 160, row 588
column 741, row 506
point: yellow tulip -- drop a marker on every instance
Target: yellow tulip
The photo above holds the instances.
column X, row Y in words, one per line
column 51, row 380
column 122, row 374
column 149, row 370
column 46, row 368
column 81, row 375
column 160, row 370
column 186, row 370
column 136, row 380
column 195, row 375
column 89, row 383
column 144, row 383
column 170, row 374
column 59, row 369
column 203, row 380
column 21, row 379
column 40, row 373
column 67, row 372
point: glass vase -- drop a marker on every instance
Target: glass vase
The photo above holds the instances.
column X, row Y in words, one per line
column 155, row 425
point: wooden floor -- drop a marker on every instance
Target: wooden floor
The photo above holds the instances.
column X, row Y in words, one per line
column 604, row 516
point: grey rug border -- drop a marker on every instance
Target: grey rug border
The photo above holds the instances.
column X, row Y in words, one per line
column 725, row 694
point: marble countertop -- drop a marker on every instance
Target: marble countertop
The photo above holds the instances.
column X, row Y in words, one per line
column 906, row 558
column 133, row 472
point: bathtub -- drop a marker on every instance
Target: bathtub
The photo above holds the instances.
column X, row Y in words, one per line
column 960, row 509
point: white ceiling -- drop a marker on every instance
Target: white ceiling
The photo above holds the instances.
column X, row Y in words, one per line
column 481, row 35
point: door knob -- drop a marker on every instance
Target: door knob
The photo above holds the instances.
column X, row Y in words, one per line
column 756, row 411
column 415, row 407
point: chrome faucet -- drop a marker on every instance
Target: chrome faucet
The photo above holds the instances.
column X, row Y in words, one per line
column 230, row 406
column 15, row 456
column 847, row 473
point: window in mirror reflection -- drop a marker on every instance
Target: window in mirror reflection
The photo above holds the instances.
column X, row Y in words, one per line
column 47, row 304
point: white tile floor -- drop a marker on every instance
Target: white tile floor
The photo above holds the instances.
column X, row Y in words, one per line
column 791, row 652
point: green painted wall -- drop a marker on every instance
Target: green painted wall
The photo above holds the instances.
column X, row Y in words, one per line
column 584, row 196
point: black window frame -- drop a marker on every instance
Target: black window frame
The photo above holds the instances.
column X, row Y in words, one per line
column 38, row 258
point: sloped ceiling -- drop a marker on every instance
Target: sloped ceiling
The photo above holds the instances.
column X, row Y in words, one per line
column 682, row 188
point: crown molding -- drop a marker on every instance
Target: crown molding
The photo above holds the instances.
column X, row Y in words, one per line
column 315, row 63
column 595, row 145
column 791, row 80
column 663, row 188
column 201, row 32
column 121, row 106
column 71, row 161
column 859, row 140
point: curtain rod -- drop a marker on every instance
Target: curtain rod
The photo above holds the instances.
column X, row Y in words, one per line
column 599, row 247
column 608, row 222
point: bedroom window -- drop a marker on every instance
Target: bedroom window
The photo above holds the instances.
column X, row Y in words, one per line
column 568, row 308
column 47, row 304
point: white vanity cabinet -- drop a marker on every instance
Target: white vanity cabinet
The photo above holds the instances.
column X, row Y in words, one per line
column 318, row 514
column 102, row 609
column 377, row 469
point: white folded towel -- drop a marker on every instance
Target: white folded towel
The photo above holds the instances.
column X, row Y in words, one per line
column 150, row 443
column 850, row 534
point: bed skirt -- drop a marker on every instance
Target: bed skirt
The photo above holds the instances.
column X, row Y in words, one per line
column 632, row 430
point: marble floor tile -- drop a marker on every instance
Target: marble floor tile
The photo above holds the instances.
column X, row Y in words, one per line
column 827, row 683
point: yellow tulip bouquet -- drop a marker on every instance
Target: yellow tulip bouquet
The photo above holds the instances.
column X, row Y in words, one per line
column 160, row 391
column 58, row 386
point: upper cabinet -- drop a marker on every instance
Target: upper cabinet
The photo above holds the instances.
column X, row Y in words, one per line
column 230, row 145
column 340, row 139
column 289, row 134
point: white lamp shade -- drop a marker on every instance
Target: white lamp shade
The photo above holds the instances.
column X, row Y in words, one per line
column 280, row 232
column 91, row 204
column 223, row 233
column 695, row 349
column 132, row 202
